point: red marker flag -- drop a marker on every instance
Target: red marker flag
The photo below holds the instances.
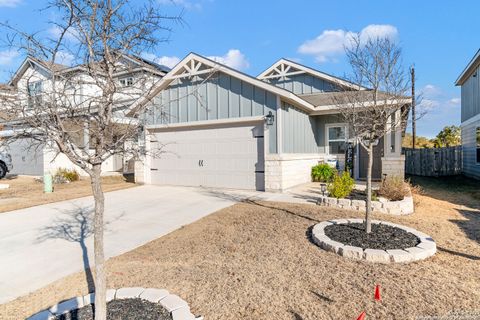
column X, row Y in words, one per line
column 377, row 293
column 362, row 316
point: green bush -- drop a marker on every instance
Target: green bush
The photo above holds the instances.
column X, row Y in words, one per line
column 341, row 185
column 323, row 172
column 67, row 175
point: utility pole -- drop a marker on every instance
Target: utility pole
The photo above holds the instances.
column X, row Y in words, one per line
column 414, row 129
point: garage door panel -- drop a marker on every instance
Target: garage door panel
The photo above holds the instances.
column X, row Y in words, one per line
column 216, row 157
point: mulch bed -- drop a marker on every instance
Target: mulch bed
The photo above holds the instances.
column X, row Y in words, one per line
column 123, row 309
column 383, row 237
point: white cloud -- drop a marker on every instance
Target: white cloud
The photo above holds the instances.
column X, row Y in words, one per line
column 10, row 3
column 64, row 58
column 331, row 43
column 56, row 31
column 374, row 31
column 431, row 90
column 168, row 61
column 427, row 105
column 454, row 101
column 189, row 5
column 234, row 58
column 8, row 56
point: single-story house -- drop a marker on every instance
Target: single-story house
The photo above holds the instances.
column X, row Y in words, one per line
column 219, row 127
column 469, row 81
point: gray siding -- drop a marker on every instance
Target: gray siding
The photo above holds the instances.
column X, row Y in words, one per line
column 218, row 97
column 26, row 160
column 471, row 97
column 303, row 133
column 304, row 84
column 469, row 148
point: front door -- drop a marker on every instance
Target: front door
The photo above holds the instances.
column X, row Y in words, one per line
column 377, row 161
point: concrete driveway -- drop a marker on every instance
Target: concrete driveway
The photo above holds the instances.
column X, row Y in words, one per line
column 41, row 244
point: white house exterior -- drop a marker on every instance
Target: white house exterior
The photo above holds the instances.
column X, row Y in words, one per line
column 218, row 127
column 33, row 79
column 469, row 80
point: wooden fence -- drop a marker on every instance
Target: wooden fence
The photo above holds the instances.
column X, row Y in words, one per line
column 433, row 162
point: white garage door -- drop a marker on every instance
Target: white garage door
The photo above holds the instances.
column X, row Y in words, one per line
column 222, row 157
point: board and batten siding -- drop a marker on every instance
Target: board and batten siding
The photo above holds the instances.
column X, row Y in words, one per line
column 213, row 97
column 471, row 96
column 303, row 84
column 302, row 133
column 469, row 147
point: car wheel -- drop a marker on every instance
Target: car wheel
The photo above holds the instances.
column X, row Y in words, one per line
column 3, row 170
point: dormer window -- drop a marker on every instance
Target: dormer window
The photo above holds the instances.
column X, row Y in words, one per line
column 35, row 93
column 126, row 82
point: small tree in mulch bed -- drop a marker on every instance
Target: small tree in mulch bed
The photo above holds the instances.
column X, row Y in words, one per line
column 380, row 104
column 104, row 39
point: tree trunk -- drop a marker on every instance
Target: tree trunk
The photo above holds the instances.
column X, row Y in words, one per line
column 100, row 278
column 368, row 223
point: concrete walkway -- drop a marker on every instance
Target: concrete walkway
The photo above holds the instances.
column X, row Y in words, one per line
column 42, row 244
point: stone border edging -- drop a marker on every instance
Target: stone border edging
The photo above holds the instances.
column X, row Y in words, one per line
column 426, row 248
column 401, row 207
column 176, row 306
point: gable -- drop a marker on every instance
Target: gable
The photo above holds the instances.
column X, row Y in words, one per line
column 300, row 79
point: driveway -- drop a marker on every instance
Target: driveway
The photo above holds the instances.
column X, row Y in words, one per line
column 42, row 244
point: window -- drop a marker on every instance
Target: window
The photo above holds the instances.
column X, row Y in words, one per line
column 34, row 93
column 126, row 82
column 478, row 144
column 337, row 139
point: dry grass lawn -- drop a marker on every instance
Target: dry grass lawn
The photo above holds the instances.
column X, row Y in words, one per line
column 25, row 192
column 256, row 261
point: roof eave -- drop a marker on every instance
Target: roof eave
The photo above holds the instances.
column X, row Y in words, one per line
column 468, row 70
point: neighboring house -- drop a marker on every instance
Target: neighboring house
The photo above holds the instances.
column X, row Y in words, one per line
column 469, row 80
column 32, row 82
column 218, row 127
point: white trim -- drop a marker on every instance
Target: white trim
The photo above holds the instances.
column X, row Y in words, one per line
column 319, row 110
column 206, row 123
column 279, row 125
column 313, row 72
column 330, row 125
column 169, row 77
column 471, row 120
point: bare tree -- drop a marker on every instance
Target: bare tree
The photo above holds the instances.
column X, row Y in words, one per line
column 78, row 110
column 381, row 103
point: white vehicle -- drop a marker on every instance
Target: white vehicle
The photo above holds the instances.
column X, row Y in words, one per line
column 5, row 164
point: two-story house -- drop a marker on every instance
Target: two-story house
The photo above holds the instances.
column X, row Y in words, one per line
column 469, row 80
column 32, row 84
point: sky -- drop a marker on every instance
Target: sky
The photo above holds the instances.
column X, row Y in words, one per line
column 438, row 37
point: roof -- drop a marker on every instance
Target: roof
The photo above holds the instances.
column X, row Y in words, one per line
column 328, row 102
column 214, row 66
column 6, row 87
column 60, row 68
column 314, row 72
column 469, row 69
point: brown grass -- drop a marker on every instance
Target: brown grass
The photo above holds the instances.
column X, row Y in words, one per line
column 25, row 192
column 256, row 261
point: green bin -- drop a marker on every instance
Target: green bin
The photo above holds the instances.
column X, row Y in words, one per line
column 48, row 183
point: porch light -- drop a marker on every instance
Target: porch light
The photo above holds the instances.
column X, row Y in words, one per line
column 269, row 118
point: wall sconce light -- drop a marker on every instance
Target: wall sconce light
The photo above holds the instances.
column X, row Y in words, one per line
column 269, row 118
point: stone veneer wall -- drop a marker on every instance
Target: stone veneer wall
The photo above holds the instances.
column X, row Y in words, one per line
column 283, row 171
column 394, row 166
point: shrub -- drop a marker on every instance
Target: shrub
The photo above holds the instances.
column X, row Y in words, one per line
column 323, row 172
column 394, row 188
column 341, row 186
column 66, row 175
